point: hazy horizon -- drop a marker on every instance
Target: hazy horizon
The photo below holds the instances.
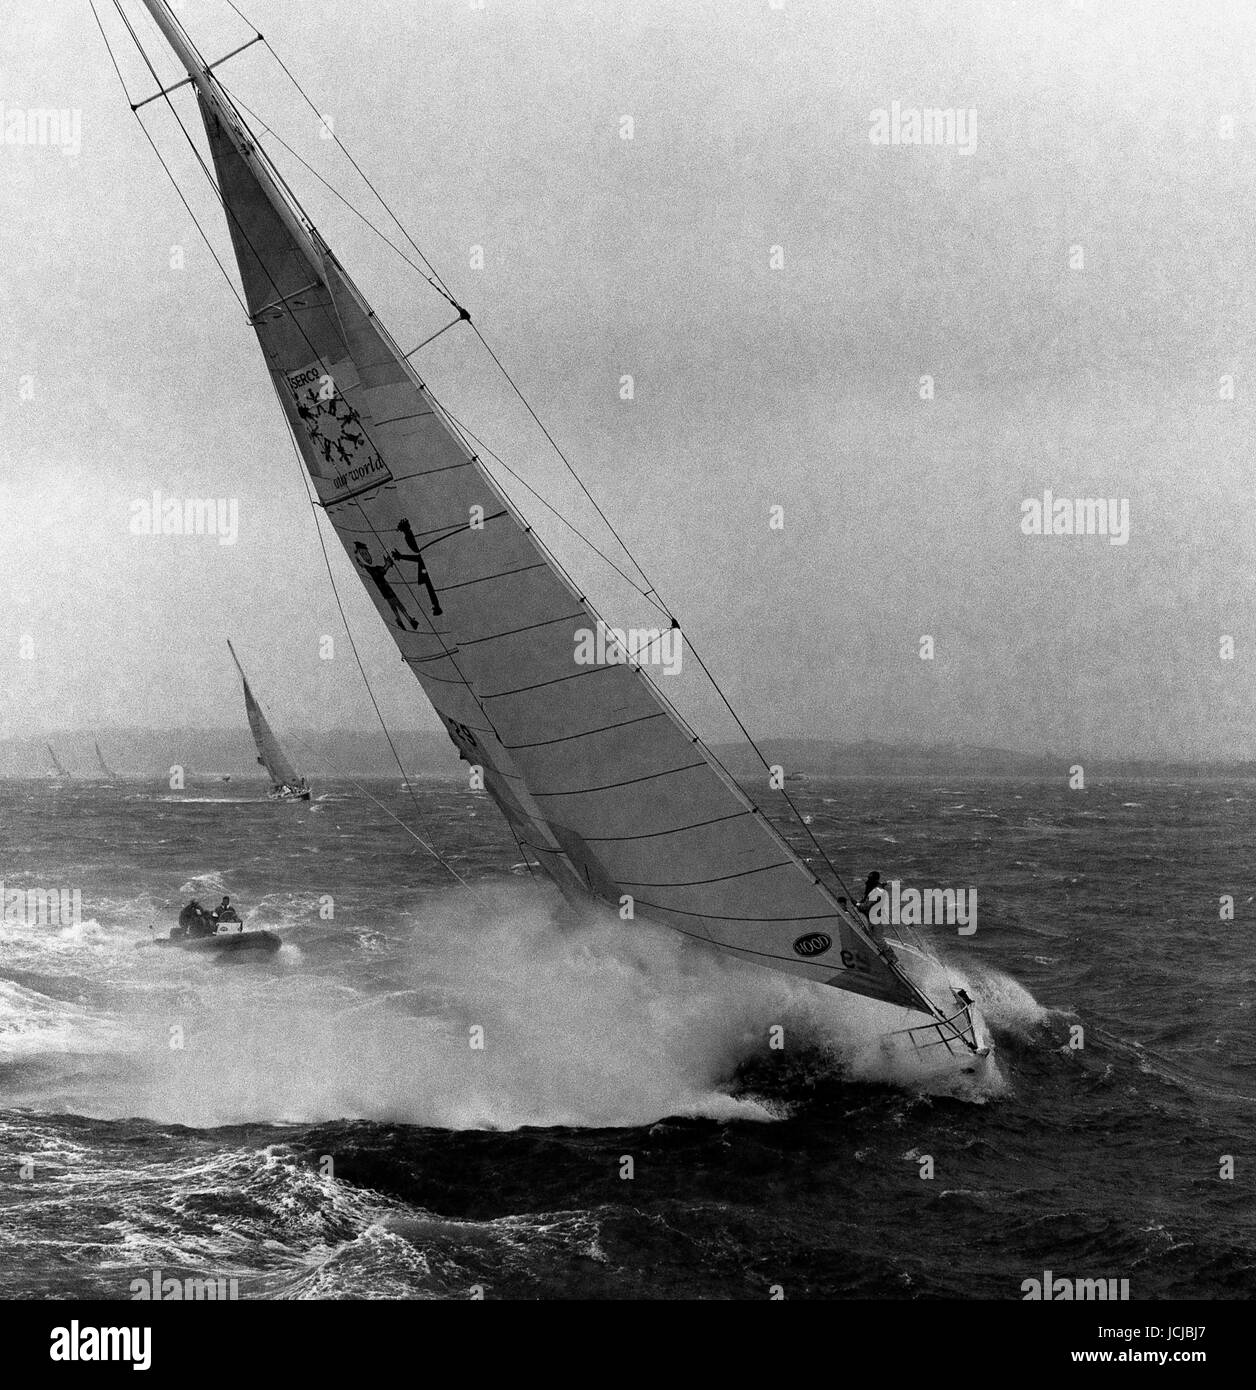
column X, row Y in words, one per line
column 127, row 367
column 84, row 738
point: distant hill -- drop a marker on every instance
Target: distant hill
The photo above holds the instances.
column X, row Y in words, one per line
column 218, row 752
column 871, row 758
column 429, row 753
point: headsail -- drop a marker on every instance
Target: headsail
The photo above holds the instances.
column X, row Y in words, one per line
column 598, row 776
column 104, row 766
column 269, row 753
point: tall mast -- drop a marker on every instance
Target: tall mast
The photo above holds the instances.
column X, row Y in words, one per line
column 236, row 659
column 216, row 100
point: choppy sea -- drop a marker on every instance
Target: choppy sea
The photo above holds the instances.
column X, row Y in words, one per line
column 319, row 1124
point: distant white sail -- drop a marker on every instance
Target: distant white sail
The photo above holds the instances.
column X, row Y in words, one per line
column 104, row 766
column 56, row 762
column 269, row 753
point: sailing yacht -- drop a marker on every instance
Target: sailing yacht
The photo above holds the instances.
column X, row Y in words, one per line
column 59, row 774
column 286, row 783
column 607, row 789
column 107, row 772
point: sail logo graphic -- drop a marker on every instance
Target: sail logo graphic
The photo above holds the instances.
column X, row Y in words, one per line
column 340, row 452
column 813, row 944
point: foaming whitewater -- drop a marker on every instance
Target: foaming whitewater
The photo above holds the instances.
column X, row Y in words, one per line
column 501, row 1018
column 1008, row 1007
column 487, row 1011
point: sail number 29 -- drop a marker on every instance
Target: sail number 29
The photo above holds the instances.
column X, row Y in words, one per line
column 460, row 733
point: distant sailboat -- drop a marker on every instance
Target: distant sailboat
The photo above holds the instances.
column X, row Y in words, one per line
column 109, row 773
column 614, row 797
column 286, row 783
column 56, row 762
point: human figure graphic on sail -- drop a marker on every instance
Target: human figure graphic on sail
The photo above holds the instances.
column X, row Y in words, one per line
column 421, row 575
column 378, row 576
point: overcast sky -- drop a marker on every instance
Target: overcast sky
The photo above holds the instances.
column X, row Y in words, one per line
column 1096, row 126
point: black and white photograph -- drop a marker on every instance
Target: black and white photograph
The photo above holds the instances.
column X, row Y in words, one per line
column 628, row 660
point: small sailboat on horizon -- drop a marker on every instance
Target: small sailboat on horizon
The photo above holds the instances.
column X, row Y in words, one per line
column 59, row 774
column 109, row 774
column 287, row 784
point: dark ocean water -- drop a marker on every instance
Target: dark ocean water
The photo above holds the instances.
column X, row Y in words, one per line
column 318, row 1124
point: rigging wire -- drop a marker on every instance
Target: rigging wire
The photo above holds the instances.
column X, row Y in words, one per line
column 324, row 757
column 270, row 130
column 483, row 448
column 161, row 160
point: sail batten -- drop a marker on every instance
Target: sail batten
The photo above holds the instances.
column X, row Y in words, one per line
column 589, row 773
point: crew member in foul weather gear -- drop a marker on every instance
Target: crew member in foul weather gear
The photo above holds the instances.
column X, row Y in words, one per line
column 194, row 921
column 224, row 912
column 874, row 893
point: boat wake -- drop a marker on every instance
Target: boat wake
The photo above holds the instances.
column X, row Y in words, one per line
column 1008, row 1007
column 476, row 1012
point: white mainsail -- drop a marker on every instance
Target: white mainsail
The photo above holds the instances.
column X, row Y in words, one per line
column 56, row 762
column 269, row 753
column 599, row 778
column 104, row 766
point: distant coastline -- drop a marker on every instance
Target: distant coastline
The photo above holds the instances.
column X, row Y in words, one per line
column 206, row 754
column 871, row 758
column 219, row 752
